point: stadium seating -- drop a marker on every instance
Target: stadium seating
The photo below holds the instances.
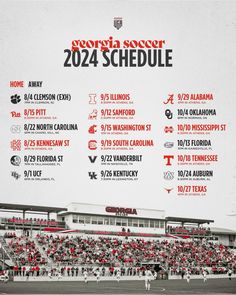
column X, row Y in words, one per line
column 24, row 251
column 32, row 221
column 71, row 252
column 189, row 231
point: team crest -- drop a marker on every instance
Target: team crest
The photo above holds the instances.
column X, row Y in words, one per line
column 118, row 22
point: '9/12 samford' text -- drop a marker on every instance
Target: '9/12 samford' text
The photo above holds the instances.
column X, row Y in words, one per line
column 119, row 58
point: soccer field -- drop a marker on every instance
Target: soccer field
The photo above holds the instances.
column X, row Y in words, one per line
column 212, row 286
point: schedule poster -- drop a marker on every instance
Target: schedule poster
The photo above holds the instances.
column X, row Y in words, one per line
column 119, row 110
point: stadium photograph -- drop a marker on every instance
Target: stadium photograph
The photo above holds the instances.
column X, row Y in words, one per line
column 96, row 249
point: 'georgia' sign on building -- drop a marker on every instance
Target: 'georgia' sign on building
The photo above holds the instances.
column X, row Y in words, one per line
column 121, row 211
